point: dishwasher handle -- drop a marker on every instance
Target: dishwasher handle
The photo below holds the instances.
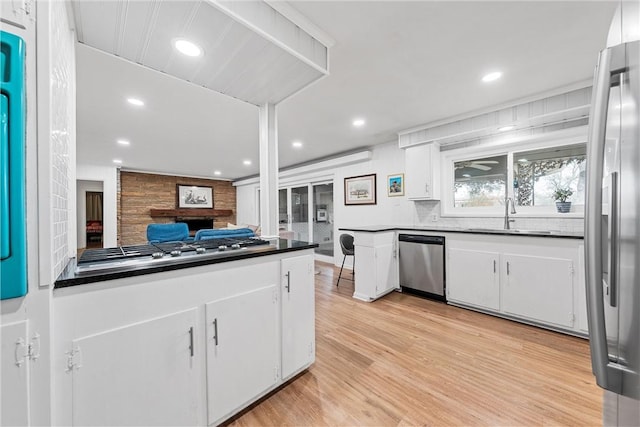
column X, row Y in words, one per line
column 427, row 240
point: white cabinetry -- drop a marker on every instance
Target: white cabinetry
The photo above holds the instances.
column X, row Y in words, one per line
column 138, row 374
column 298, row 320
column 14, row 370
column 474, row 278
column 239, row 328
column 186, row 347
column 376, row 267
column 422, row 172
column 531, row 279
column 538, row 288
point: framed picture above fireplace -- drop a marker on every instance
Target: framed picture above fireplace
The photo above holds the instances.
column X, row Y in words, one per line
column 191, row 196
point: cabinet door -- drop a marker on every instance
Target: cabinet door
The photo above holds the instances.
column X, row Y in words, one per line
column 538, row 288
column 14, row 366
column 417, row 164
column 298, row 314
column 473, row 278
column 140, row 374
column 385, row 268
column 422, row 172
column 242, row 349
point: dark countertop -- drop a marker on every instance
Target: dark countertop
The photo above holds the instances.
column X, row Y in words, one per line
column 69, row 277
column 490, row 231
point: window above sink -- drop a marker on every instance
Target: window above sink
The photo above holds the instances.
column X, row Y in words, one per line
column 476, row 180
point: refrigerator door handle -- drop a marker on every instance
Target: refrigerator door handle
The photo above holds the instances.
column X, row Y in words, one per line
column 613, row 238
column 611, row 62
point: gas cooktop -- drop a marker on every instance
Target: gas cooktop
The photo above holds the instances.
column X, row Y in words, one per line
column 122, row 257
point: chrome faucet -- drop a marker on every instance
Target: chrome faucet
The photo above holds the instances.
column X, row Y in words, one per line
column 508, row 220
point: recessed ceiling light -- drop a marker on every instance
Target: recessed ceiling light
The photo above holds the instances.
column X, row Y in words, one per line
column 135, row 101
column 492, row 76
column 188, row 48
column 246, row 162
column 296, row 144
column 523, row 160
column 466, row 175
column 123, row 142
column 358, row 122
column 117, row 161
column 217, row 173
column 506, row 128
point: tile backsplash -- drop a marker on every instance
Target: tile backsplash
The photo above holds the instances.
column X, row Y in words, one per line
column 425, row 211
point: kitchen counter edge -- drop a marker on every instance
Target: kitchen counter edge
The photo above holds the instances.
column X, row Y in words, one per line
column 68, row 277
column 382, row 228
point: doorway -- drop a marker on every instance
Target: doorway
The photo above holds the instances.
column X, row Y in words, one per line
column 94, row 229
column 306, row 212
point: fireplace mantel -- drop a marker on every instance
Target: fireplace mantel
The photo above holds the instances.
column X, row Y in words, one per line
column 191, row 213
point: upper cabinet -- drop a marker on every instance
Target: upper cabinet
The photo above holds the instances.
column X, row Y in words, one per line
column 422, row 172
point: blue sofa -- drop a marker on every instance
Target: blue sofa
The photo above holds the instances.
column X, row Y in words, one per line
column 221, row 233
column 173, row 232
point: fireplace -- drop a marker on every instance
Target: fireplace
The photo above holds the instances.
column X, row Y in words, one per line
column 196, row 224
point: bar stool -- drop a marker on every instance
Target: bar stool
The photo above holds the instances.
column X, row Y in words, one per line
column 346, row 244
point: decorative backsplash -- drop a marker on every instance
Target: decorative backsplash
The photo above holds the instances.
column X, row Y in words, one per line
column 425, row 211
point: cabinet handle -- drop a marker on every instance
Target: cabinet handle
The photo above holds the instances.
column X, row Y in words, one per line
column 215, row 331
column 288, row 286
column 507, row 268
column 494, row 266
column 191, row 341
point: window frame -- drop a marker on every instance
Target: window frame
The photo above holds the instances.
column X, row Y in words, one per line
column 448, row 159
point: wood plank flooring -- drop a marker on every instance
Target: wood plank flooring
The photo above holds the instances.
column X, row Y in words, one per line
column 408, row 361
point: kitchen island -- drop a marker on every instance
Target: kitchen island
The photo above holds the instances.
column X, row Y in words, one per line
column 534, row 277
column 188, row 342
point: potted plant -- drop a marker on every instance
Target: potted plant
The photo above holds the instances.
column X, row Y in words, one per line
column 560, row 196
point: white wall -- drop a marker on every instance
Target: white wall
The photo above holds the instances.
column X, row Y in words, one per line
column 389, row 159
column 108, row 176
column 81, row 208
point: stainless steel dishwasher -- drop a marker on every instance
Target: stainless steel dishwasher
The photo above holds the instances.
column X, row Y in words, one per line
column 422, row 265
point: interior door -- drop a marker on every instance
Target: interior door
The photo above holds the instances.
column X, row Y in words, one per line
column 322, row 210
column 300, row 212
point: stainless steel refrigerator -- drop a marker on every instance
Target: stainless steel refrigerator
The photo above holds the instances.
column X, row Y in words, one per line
column 612, row 221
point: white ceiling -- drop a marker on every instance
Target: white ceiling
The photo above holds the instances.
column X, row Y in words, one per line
column 395, row 64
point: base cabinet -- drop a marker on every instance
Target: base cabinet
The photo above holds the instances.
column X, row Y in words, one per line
column 525, row 278
column 539, row 288
column 376, row 271
column 474, row 278
column 238, row 329
column 139, row 374
column 14, row 370
column 192, row 347
column 298, row 320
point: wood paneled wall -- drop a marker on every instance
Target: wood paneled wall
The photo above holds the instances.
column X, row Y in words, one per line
column 140, row 192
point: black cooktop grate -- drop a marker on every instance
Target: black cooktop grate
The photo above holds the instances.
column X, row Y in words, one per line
column 208, row 244
column 123, row 252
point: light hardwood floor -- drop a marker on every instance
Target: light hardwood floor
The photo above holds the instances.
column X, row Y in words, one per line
column 404, row 360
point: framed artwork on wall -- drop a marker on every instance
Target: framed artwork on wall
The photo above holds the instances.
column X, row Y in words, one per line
column 191, row 196
column 360, row 190
column 395, row 185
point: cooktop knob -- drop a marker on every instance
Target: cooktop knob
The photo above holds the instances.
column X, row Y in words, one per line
column 222, row 248
column 176, row 253
column 201, row 250
column 157, row 255
column 235, row 246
